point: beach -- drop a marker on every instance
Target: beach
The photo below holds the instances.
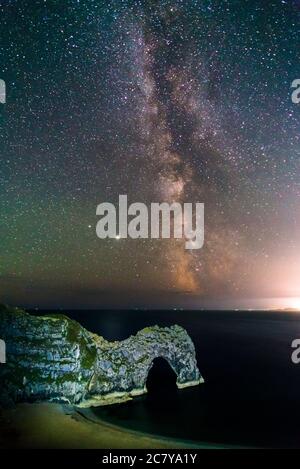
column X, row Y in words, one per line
column 49, row 425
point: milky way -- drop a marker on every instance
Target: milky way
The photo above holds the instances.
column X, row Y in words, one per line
column 186, row 101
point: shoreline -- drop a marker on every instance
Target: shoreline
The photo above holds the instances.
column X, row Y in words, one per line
column 90, row 416
column 50, row 425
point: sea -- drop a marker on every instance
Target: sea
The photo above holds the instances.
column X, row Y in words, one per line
column 251, row 394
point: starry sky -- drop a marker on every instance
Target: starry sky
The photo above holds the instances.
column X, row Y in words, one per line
column 167, row 100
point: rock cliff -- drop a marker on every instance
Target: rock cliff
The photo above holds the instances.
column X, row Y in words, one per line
column 54, row 358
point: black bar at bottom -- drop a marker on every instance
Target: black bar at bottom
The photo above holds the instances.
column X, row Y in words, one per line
column 242, row 458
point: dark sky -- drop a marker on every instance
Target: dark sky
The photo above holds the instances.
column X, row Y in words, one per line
column 186, row 101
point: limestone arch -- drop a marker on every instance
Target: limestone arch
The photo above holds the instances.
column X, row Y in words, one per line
column 161, row 360
column 173, row 365
column 184, row 370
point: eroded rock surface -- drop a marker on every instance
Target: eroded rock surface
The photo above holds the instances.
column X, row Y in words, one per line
column 54, row 358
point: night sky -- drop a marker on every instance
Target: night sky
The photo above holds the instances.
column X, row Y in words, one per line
column 186, row 101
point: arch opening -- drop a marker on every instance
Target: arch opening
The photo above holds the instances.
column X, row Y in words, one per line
column 161, row 378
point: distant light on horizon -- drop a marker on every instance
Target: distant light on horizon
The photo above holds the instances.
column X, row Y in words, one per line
column 285, row 303
column 293, row 303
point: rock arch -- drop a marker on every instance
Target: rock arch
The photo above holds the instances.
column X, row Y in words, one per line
column 160, row 373
column 171, row 343
column 62, row 361
column 182, row 365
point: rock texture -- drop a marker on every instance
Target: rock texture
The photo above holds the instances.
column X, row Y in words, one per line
column 54, row 358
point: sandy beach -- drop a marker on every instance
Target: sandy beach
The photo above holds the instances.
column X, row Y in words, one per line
column 46, row 425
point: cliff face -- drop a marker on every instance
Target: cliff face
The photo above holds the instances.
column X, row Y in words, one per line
column 54, row 358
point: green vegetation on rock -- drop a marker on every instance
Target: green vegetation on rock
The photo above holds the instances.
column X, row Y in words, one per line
column 54, row 358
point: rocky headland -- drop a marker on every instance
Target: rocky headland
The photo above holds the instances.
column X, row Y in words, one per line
column 53, row 358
